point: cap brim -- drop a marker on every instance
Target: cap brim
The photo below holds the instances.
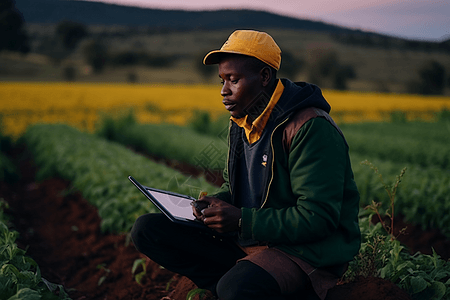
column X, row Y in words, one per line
column 213, row 57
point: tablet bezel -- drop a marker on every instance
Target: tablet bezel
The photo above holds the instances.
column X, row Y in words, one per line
column 166, row 212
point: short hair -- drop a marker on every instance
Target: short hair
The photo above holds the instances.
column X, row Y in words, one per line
column 257, row 65
column 252, row 63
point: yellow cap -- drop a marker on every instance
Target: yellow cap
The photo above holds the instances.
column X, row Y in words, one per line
column 249, row 42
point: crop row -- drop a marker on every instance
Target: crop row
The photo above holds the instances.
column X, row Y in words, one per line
column 424, row 144
column 99, row 169
column 420, row 143
column 173, row 142
column 423, row 276
column 423, row 197
column 20, row 276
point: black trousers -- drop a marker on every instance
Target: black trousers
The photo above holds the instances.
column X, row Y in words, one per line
column 210, row 262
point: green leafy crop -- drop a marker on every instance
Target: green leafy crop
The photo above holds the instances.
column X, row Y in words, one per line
column 99, row 169
column 423, row 276
column 20, row 276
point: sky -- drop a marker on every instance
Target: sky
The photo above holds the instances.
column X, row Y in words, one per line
column 414, row 19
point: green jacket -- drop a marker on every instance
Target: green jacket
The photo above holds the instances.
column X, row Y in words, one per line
column 311, row 202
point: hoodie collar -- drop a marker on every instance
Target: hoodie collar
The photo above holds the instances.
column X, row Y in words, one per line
column 300, row 95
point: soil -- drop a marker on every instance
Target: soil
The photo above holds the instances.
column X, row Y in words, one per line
column 62, row 233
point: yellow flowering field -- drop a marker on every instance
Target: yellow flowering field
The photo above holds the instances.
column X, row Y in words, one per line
column 82, row 104
column 364, row 106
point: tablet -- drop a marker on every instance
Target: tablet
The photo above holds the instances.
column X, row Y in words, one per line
column 176, row 207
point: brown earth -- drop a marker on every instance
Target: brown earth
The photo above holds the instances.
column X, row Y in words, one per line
column 62, row 233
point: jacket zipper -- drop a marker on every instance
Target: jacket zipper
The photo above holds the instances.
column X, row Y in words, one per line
column 273, row 160
column 228, row 157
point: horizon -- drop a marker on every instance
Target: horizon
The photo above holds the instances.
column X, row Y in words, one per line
column 425, row 20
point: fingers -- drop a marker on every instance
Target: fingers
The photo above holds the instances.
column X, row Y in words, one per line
column 212, row 201
column 222, row 218
column 197, row 214
column 216, row 214
column 213, row 215
column 199, row 207
column 216, row 222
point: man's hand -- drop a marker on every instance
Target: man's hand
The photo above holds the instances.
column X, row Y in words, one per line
column 217, row 214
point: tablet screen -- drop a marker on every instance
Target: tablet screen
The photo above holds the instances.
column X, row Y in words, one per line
column 178, row 206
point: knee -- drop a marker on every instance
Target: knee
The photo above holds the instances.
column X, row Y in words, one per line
column 247, row 281
column 140, row 232
column 228, row 287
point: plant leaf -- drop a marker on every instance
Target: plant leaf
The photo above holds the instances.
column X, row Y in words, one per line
column 194, row 292
column 439, row 290
column 418, row 284
column 26, row 294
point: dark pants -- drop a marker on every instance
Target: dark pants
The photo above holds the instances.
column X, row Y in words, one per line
column 210, row 262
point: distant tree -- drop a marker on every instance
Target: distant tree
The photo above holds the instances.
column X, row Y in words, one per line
column 445, row 45
column 131, row 57
column 71, row 33
column 327, row 63
column 156, row 60
column 96, row 54
column 320, row 65
column 340, row 76
column 325, row 69
column 125, row 58
column 12, row 33
column 132, row 77
column 206, row 72
column 290, row 65
column 432, row 79
column 69, row 73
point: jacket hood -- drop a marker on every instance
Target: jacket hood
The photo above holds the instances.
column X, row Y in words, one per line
column 300, row 95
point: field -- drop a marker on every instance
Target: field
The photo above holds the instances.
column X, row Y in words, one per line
column 67, row 149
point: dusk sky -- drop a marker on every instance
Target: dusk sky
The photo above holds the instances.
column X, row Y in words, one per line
column 415, row 19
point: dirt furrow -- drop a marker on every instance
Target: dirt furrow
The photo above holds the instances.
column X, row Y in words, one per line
column 61, row 231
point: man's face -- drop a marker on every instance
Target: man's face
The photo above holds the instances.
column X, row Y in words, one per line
column 240, row 85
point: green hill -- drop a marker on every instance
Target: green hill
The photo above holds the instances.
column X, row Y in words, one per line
column 94, row 13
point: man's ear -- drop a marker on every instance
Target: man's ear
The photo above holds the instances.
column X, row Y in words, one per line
column 266, row 76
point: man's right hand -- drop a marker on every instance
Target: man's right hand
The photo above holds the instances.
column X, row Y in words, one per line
column 197, row 207
column 217, row 214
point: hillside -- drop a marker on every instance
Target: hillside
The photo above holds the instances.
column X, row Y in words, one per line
column 149, row 46
column 94, row 13
column 48, row 12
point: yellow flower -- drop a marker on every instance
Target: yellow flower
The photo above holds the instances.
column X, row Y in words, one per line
column 81, row 104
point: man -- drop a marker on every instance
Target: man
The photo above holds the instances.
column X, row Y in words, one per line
column 289, row 203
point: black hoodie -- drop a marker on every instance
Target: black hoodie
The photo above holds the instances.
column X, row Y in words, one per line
column 247, row 163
